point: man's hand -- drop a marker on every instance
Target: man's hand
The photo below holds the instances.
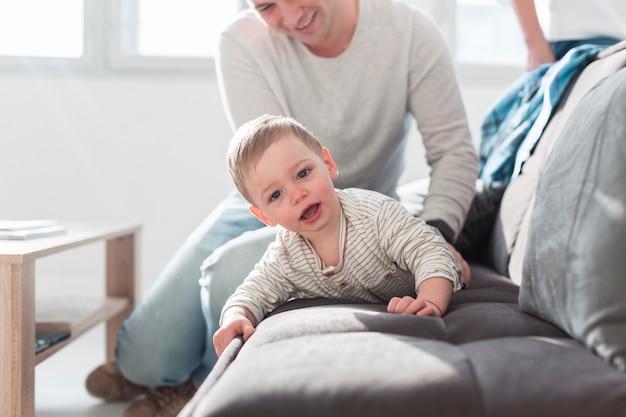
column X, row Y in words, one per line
column 466, row 273
column 236, row 323
column 538, row 54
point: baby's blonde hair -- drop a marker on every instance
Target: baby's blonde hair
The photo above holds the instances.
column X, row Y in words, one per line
column 254, row 137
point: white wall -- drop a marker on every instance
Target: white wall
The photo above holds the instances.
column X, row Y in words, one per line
column 99, row 148
column 123, row 148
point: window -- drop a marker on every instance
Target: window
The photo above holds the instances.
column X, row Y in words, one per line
column 193, row 25
column 480, row 32
column 119, row 34
column 42, row 28
column 487, row 32
column 182, row 34
column 168, row 34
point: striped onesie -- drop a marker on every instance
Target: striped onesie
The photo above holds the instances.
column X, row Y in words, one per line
column 386, row 252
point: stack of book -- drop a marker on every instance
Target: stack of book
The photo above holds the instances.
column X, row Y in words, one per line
column 29, row 229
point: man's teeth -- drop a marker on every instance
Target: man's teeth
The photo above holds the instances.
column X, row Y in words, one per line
column 307, row 23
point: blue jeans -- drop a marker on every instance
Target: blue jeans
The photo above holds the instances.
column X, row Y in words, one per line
column 226, row 268
column 560, row 48
column 165, row 340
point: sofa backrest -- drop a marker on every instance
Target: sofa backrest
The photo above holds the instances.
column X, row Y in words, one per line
column 574, row 268
column 507, row 243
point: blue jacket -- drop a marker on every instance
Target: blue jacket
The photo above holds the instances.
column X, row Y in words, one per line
column 512, row 128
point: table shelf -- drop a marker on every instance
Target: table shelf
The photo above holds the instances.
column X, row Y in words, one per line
column 20, row 316
column 76, row 316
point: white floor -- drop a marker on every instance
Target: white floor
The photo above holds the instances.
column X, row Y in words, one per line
column 60, row 380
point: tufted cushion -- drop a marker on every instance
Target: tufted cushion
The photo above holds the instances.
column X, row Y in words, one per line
column 483, row 358
column 370, row 374
column 574, row 272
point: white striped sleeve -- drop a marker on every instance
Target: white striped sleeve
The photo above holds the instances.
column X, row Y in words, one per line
column 414, row 245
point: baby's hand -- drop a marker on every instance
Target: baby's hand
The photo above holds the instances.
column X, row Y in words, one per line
column 410, row 305
column 225, row 334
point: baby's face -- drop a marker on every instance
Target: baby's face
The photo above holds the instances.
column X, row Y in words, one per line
column 292, row 186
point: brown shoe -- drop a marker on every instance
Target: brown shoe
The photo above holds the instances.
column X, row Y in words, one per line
column 162, row 402
column 108, row 383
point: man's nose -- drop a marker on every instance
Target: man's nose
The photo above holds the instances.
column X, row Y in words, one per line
column 292, row 13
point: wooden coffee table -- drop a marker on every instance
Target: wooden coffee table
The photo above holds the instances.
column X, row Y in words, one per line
column 17, row 304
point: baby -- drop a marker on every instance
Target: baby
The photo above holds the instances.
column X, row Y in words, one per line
column 350, row 244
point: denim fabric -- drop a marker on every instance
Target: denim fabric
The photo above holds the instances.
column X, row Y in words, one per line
column 512, row 128
column 560, row 48
column 225, row 269
column 163, row 342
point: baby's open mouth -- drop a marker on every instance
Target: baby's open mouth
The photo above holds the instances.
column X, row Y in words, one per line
column 310, row 212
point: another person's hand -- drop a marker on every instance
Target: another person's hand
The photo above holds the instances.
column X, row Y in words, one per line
column 539, row 53
column 466, row 273
column 237, row 324
column 410, row 305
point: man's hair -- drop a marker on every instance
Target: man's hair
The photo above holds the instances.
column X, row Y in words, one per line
column 254, row 137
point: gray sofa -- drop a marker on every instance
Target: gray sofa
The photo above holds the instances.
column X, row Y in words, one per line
column 541, row 330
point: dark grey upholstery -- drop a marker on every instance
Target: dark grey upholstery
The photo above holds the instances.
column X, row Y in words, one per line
column 484, row 358
column 577, row 278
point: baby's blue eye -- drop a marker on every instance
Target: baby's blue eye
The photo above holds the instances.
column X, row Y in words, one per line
column 303, row 173
column 274, row 195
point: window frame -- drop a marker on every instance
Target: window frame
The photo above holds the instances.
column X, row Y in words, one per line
column 117, row 60
column 91, row 35
column 471, row 73
column 103, row 46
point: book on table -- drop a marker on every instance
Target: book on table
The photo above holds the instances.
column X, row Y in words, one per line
column 29, row 229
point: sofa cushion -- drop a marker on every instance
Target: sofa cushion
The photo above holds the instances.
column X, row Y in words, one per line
column 574, row 271
column 608, row 63
column 507, row 244
column 369, row 374
column 363, row 374
column 551, row 377
column 484, row 358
